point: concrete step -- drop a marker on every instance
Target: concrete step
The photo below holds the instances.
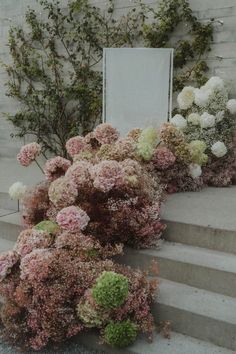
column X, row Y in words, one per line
column 10, row 225
column 198, row 313
column 6, row 245
column 203, row 219
column 177, row 344
column 9, row 150
column 206, row 269
column 201, row 236
column 7, row 203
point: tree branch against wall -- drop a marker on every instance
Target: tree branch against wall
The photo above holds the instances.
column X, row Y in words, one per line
column 55, row 72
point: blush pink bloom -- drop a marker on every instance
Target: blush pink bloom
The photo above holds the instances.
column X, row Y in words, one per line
column 63, row 192
column 30, row 239
column 36, row 265
column 106, row 134
column 107, row 174
column 7, row 261
column 75, row 145
column 79, row 173
column 72, row 218
column 56, row 167
column 163, row 158
column 28, row 153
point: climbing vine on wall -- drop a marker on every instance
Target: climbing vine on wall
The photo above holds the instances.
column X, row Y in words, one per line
column 56, row 74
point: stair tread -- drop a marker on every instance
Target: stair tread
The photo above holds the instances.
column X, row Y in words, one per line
column 177, row 344
column 6, row 245
column 210, row 207
column 12, row 218
column 195, row 255
column 198, row 301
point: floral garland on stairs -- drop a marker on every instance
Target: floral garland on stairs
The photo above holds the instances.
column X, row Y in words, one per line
column 60, row 278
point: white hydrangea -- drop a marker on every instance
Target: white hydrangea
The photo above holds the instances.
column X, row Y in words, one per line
column 231, row 106
column 215, row 83
column 207, row 120
column 194, row 118
column 179, row 121
column 202, row 96
column 219, row 149
column 17, row 190
column 195, row 170
column 220, row 116
column 185, row 98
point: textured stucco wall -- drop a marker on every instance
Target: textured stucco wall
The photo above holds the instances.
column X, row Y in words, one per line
column 222, row 58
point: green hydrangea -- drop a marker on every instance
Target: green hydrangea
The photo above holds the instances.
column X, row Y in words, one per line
column 111, row 290
column 48, row 226
column 146, row 143
column 91, row 316
column 197, row 149
column 120, row 334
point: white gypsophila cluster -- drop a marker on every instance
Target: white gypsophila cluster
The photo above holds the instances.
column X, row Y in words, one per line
column 179, row 121
column 215, row 83
column 220, row 116
column 231, row 106
column 185, row 98
column 194, row 118
column 219, row 149
column 202, row 96
column 17, row 191
column 207, row 120
column 195, row 170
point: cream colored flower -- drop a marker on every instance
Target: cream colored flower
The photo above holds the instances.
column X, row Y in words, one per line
column 179, row 121
column 186, row 97
column 219, row 149
column 17, row 191
column 194, row 119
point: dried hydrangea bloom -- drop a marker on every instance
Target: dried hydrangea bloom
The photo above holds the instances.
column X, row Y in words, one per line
column 107, row 175
column 106, row 134
column 62, row 192
column 7, row 261
column 134, row 134
column 163, row 158
column 56, row 167
column 28, row 153
column 72, row 218
column 36, row 265
column 79, row 173
column 31, row 239
column 76, row 145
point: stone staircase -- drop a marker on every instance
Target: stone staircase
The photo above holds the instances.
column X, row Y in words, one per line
column 197, row 263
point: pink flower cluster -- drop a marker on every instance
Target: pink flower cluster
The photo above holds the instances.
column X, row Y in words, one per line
column 7, row 261
column 36, row 265
column 30, row 239
column 79, row 173
column 107, row 175
column 62, row 192
column 75, row 145
column 56, row 167
column 106, row 134
column 28, row 153
column 72, row 219
column 163, row 158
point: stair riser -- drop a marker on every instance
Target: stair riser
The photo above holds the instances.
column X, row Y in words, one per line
column 214, row 280
column 208, row 329
column 9, row 231
column 206, row 237
column 7, row 203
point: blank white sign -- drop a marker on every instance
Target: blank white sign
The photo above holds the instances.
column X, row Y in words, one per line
column 137, row 87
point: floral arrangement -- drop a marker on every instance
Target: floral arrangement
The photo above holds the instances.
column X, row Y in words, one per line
column 205, row 119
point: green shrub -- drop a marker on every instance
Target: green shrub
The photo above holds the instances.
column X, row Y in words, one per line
column 111, row 290
column 120, row 334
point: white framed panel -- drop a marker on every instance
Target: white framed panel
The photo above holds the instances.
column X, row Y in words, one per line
column 137, row 87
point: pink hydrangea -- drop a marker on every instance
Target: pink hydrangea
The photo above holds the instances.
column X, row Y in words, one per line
column 36, row 265
column 7, row 261
column 28, row 153
column 56, row 167
column 72, row 218
column 79, row 172
column 107, row 174
column 63, row 192
column 75, row 145
column 106, row 134
column 30, row 239
column 163, row 158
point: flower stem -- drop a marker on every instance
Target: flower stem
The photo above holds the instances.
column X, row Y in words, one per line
column 39, row 166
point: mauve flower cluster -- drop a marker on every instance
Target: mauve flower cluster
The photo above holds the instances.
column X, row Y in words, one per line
column 28, row 153
column 76, row 145
column 56, row 167
column 72, row 219
column 106, row 134
column 163, row 158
